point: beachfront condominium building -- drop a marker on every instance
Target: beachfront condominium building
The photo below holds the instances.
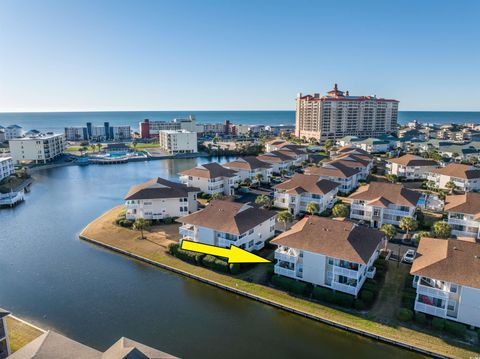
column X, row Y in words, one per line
column 410, row 167
column 296, row 193
column 52, row 345
column 41, row 148
column 211, row 178
column 338, row 114
column 120, row 133
column 159, row 199
column 178, row 141
column 464, row 214
column 6, row 167
column 446, row 279
column 149, row 128
column 464, row 177
column 13, row 131
column 4, row 340
column 252, row 168
column 381, row 203
column 328, row 253
column 76, row 133
column 346, row 177
column 226, row 223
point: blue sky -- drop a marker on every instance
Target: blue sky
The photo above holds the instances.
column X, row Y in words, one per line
column 65, row 55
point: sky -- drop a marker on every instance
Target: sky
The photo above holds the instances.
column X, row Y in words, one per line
column 102, row 55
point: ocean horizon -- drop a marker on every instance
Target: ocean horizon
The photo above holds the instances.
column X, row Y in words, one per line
column 57, row 121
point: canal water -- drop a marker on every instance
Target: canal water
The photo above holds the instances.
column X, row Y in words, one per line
column 49, row 276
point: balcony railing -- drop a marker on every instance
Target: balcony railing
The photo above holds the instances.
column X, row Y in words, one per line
column 344, row 288
column 289, row 256
column 430, row 309
column 345, row 272
column 425, row 289
column 187, row 231
column 285, row 271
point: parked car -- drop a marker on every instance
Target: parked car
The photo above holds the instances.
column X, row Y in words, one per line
column 409, row 256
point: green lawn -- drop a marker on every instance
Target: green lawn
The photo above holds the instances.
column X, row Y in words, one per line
column 144, row 145
column 20, row 333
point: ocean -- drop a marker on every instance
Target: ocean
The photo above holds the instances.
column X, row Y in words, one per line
column 57, row 121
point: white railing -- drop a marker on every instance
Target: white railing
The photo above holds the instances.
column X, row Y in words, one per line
column 345, row 272
column 187, row 231
column 286, row 256
column 344, row 288
column 464, row 222
column 430, row 309
column 223, row 242
column 431, row 292
column 284, row 271
column 371, row 272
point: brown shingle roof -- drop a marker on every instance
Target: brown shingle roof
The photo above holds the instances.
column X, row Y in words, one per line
column 459, row 171
column 353, row 150
column 307, row 183
column 247, row 163
column 209, row 170
column 275, row 142
column 468, row 203
column 228, row 217
column 412, row 160
column 276, row 156
column 333, row 169
column 339, row 239
column 449, row 260
column 159, row 188
column 377, row 193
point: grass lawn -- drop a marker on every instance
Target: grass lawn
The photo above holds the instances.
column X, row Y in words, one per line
column 20, row 333
column 104, row 230
column 73, row 148
column 144, row 145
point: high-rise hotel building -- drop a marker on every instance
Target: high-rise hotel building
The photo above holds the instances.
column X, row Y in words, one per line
column 338, row 114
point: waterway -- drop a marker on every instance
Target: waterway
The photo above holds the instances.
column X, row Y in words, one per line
column 49, row 276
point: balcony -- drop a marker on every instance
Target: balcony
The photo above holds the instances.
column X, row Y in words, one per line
column 344, row 288
column 371, row 272
column 430, row 309
column 289, row 255
column 187, row 230
column 285, row 271
column 337, row 270
column 425, row 288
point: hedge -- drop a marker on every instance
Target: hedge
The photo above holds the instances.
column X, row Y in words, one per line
column 329, row 296
column 371, row 286
column 359, row 304
column 234, row 268
column 454, row 328
column 438, row 323
column 420, row 318
column 405, row 315
column 289, row 284
column 367, row 296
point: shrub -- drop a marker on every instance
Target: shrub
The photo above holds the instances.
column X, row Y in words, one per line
column 359, row 304
column 420, row 318
column 208, row 261
column 168, row 220
column 234, row 268
column 408, row 299
column 221, row 266
column 344, row 300
column 324, row 294
column 367, row 296
column 438, row 323
column 456, row 329
column 405, row 315
column 173, row 248
column 371, row 286
column 288, row 284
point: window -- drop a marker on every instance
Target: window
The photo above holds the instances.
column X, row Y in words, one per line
column 250, row 231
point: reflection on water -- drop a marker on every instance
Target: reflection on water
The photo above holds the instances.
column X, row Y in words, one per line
column 96, row 296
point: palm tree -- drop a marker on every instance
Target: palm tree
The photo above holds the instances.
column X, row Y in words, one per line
column 99, row 146
column 263, row 200
column 285, row 217
column 92, row 147
column 451, row 186
column 217, row 196
column 134, row 145
column 340, row 210
column 328, row 145
column 391, row 178
column 141, row 224
column 312, row 208
column 408, row 224
column 441, row 229
column 389, row 230
column 283, row 172
column 259, row 177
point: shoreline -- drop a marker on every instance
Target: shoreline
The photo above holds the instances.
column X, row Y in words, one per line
column 281, row 300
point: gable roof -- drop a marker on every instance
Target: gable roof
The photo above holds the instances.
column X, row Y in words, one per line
column 468, row 203
column 159, row 188
column 339, row 239
column 229, row 217
column 332, row 169
column 209, row 170
column 382, row 194
column 55, row 346
column 277, row 156
column 247, row 163
column 126, row 348
column 301, row 183
column 450, row 260
column 412, row 160
column 459, row 171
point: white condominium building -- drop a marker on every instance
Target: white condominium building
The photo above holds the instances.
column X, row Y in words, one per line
column 76, row 133
column 252, row 168
column 465, row 177
column 226, row 223
column 380, row 203
column 279, row 160
column 446, row 276
column 328, row 253
column 159, row 199
column 42, row 148
column 361, row 163
column 410, row 167
column 338, row 114
column 179, row 141
column 464, row 214
column 346, row 177
column 13, row 131
column 6, row 167
column 296, row 193
column 121, row 133
column 211, row 178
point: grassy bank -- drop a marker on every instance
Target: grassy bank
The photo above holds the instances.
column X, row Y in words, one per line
column 154, row 248
column 20, row 333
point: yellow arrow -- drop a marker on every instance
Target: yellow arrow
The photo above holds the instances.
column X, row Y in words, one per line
column 234, row 254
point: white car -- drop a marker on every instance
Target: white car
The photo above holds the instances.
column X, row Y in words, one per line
column 409, row 256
